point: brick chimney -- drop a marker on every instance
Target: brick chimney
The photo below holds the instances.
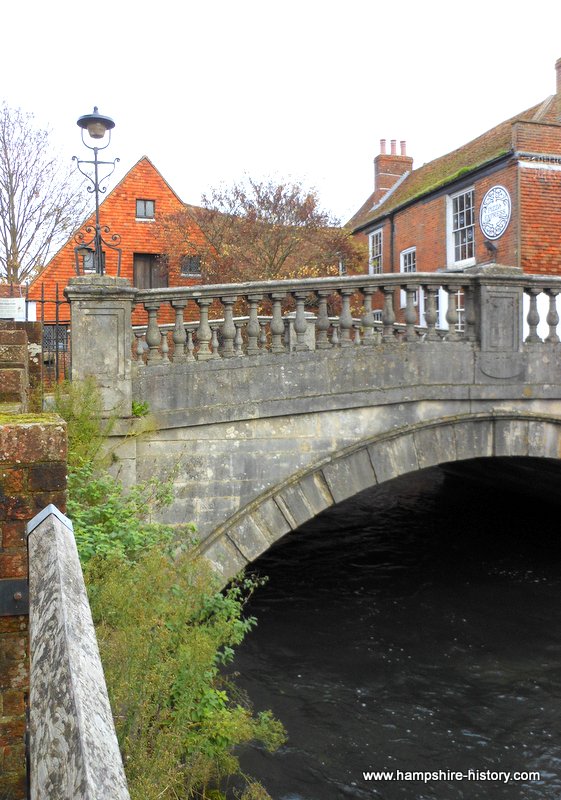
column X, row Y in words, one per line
column 389, row 167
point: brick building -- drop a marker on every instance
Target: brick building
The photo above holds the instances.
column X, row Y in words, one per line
column 130, row 210
column 497, row 198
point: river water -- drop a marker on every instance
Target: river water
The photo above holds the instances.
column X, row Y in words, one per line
column 414, row 628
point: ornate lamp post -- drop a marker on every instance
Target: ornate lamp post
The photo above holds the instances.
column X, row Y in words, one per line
column 90, row 251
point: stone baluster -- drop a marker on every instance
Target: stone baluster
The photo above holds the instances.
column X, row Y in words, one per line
column 368, row 337
column 277, row 323
column 179, row 334
column 238, row 339
column 388, row 315
column 214, row 345
column 140, row 349
column 204, row 332
column 322, row 324
column 287, row 331
column 253, row 328
column 153, row 335
column 533, row 318
column 552, row 316
column 190, row 346
column 469, row 314
column 345, row 317
column 165, row 347
column 263, row 341
column 410, row 315
column 335, row 333
column 431, row 294
column 452, row 313
column 356, row 338
column 300, row 322
column 228, row 328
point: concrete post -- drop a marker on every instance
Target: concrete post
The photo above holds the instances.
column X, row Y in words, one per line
column 101, row 336
column 73, row 749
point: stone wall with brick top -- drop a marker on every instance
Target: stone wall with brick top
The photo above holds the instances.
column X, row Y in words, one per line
column 32, row 475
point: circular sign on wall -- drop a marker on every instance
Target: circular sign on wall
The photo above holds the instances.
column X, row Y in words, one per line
column 494, row 212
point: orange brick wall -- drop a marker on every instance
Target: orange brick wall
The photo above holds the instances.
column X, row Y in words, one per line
column 423, row 225
column 540, row 200
column 118, row 211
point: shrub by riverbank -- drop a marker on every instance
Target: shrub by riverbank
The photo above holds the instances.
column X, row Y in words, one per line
column 164, row 628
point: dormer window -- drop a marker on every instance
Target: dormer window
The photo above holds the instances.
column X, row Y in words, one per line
column 145, row 209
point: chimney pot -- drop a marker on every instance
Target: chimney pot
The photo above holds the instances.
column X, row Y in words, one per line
column 382, row 147
column 558, row 72
column 393, row 144
column 402, row 145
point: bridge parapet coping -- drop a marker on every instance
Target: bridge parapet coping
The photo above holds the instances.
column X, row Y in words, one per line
column 73, row 747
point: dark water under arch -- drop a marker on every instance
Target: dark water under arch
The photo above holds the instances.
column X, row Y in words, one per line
column 417, row 627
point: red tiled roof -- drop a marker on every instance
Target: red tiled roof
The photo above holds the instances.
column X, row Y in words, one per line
column 448, row 168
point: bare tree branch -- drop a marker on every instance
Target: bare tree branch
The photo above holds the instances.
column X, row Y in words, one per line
column 41, row 201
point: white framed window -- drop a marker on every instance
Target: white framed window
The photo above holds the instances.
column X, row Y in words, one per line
column 145, row 209
column 408, row 263
column 461, row 228
column 375, row 261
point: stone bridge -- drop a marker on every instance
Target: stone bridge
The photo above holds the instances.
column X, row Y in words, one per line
column 322, row 389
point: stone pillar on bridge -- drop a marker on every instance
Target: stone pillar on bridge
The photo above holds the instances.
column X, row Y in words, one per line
column 101, row 338
column 498, row 302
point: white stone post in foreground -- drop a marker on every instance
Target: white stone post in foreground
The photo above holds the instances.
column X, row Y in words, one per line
column 73, row 749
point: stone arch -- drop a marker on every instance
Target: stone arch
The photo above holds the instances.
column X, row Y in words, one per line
column 255, row 527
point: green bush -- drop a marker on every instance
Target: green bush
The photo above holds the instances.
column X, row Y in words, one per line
column 165, row 630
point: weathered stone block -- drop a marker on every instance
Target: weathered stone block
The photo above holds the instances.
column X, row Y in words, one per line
column 14, row 354
column 349, row 475
column 393, row 457
column 511, row 437
column 48, row 477
column 270, row 514
column 24, row 442
column 13, row 385
column 294, row 505
column 249, row 538
column 12, row 534
column 13, row 337
column 474, row 438
column 225, row 558
column 13, row 565
column 543, row 440
column 435, row 445
column 12, row 480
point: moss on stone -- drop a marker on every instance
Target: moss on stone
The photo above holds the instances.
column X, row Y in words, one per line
column 30, row 419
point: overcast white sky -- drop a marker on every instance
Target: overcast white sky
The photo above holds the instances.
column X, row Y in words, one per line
column 300, row 89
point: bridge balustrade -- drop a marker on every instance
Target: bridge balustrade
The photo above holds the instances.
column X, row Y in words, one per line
column 542, row 312
column 362, row 310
